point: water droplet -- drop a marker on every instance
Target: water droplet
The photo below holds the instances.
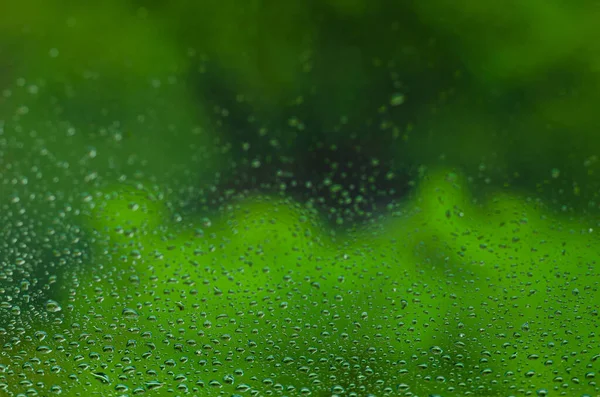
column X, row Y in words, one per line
column 102, row 377
column 53, row 306
column 397, row 99
column 130, row 313
column 153, row 385
column 44, row 349
column 436, row 350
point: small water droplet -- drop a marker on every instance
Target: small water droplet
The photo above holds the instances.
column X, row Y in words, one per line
column 130, row 313
column 53, row 306
column 102, row 377
column 397, row 99
column 154, row 384
column 44, row 349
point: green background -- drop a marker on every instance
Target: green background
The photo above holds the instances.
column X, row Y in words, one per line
column 327, row 197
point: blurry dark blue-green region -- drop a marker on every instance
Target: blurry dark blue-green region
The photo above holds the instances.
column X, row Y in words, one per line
column 327, row 198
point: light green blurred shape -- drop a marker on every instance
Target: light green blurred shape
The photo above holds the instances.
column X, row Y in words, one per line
column 526, row 274
column 267, row 245
column 444, row 273
column 242, row 267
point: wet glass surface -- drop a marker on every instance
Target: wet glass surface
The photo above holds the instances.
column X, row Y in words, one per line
column 325, row 198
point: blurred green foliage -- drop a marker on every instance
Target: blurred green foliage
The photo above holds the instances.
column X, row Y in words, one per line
column 445, row 270
column 97, row 90
column 507, row 87
column 176, row 165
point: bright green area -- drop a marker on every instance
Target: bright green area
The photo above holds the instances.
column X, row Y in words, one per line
column 448, row 297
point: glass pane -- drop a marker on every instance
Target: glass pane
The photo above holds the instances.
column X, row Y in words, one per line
column 294, row 198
